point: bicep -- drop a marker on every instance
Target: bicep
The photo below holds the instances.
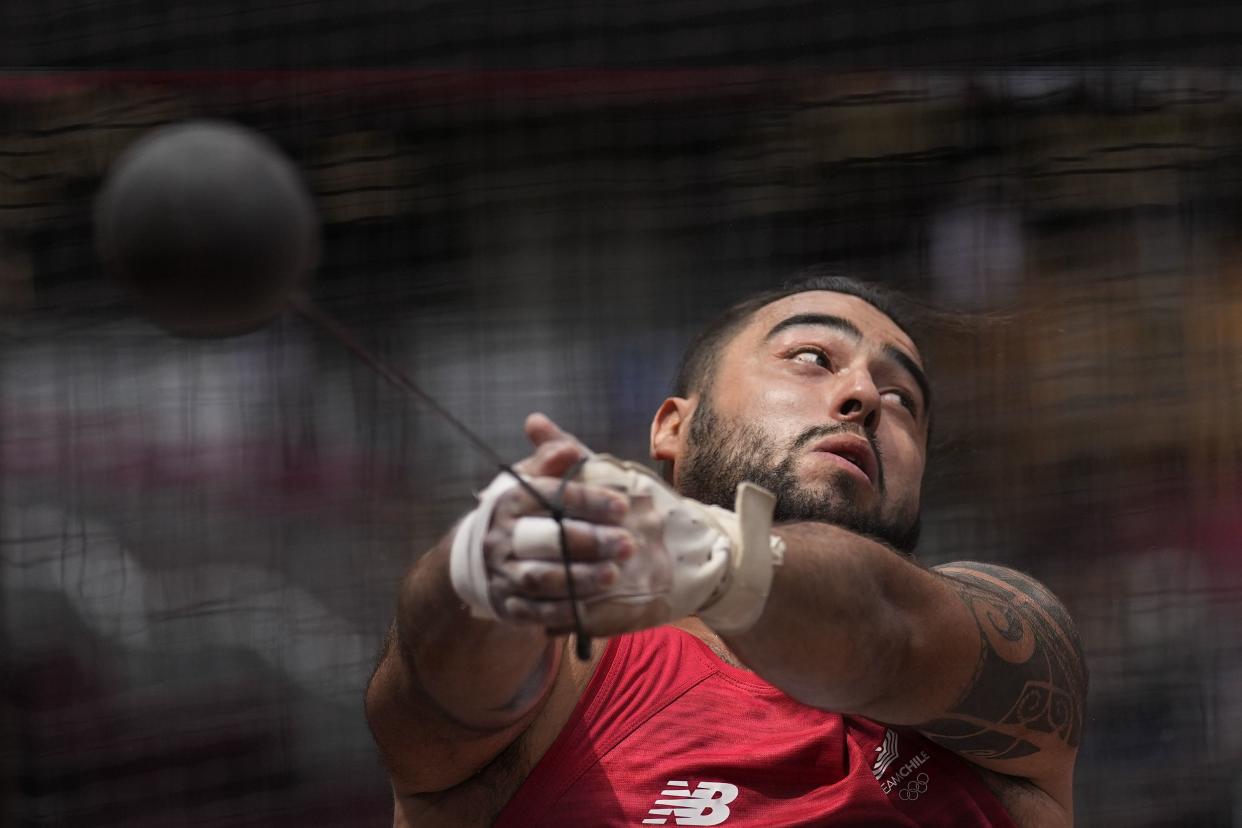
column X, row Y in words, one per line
column 1022, row 709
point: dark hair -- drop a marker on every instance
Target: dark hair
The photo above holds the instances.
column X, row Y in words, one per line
column 698, row 365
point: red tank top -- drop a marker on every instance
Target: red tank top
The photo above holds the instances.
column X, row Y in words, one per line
column 668, row 734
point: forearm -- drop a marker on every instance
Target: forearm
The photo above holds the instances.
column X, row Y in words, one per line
column 477, row 673
column 452, row 691
column 980, row 658
column 845, row 625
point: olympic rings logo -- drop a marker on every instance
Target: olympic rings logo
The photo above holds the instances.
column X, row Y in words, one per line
column 916, row 788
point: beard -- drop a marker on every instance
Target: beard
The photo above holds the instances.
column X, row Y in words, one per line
column 720, row 454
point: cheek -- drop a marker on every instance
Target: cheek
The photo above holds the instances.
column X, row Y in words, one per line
column 773, row 407
column 903, row 455
column 790, row 401
column 783, row 414
column 777, row 401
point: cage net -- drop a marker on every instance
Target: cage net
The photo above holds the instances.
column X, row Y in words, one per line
column 201, row 541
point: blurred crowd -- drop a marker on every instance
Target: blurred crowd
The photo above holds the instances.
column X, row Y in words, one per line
column 200, row 541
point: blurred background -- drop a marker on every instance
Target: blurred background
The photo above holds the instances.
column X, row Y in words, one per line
column 200, row 541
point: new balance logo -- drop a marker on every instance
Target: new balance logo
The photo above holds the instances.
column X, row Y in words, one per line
column 887, row 754
column 708, row 804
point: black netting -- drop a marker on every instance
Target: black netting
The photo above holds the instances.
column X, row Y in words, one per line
column 201, row 541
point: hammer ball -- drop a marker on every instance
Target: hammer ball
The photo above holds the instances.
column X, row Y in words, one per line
column 209, row 225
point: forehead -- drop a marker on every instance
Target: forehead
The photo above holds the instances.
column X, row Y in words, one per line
column 876, row 327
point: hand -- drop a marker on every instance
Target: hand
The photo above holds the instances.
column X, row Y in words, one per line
column 494, row 565
column 641, row 554
column 526, row 581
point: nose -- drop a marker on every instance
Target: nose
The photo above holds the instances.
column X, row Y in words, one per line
column 857, row 400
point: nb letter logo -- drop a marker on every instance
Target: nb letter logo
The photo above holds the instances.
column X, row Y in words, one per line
column 708, row 804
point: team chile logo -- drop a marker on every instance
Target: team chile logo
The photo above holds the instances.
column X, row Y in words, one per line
column 906, row 781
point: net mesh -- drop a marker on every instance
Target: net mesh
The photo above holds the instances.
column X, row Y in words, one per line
column 201, row 541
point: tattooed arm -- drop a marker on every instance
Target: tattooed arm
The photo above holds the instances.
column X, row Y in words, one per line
column 981, row 659
column 1030, row 682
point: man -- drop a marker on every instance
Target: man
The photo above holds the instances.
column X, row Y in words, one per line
column 745, row 668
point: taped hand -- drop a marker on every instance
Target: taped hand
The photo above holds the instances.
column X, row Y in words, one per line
column 640, row 554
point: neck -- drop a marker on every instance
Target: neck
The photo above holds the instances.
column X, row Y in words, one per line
column 704, row 633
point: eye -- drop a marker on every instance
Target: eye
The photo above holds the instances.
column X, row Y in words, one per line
column 905, row 399
column 811, row 356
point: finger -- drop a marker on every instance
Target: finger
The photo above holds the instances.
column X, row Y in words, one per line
column 562, row 458
column 540, row 538
column 545, row 580
column 595, row 504
column 540, row 429
column 552, row 459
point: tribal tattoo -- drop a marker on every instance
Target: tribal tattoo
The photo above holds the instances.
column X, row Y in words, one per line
column 1031, row 676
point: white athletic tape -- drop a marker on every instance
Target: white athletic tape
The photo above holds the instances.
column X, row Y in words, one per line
column 536, row 537
column 741, row 602
column 721, row 561
column 692, row 558
column 467, row 565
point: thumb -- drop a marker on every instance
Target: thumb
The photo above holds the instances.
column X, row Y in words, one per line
column 540, row 429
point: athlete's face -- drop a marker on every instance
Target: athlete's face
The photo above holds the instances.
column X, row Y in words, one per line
column 819, row 398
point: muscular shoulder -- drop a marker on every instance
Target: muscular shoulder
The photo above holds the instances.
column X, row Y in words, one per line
column 1022, row 712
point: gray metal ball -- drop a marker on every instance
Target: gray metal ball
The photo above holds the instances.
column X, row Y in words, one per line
column 209, row 225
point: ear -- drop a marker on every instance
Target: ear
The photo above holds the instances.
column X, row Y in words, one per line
column 669, row 429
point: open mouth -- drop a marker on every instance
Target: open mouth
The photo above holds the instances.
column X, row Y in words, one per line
column 851, row 453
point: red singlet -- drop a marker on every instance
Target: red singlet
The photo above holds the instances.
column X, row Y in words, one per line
column 668, row 734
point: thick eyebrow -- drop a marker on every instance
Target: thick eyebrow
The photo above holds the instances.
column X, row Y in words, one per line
column 823, row 320
column 851, row 330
